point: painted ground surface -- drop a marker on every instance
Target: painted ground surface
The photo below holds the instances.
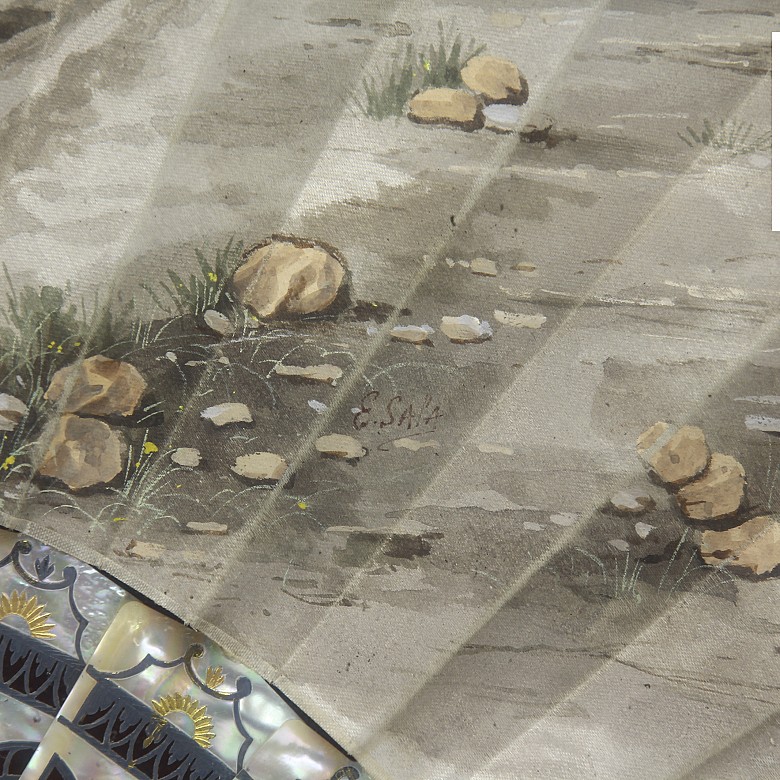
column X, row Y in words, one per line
column 467, row 608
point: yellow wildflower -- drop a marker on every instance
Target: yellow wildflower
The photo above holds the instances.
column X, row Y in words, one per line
column 120, row 519
column 8, row 462
column 302, row 505
column 426, row 64
column 59, row 349
column 212, row 276
column 150, row 447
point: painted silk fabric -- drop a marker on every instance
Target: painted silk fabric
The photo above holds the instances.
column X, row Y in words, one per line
column 421, row 356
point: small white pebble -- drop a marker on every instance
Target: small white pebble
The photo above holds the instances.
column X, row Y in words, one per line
column 318, row 406
column 529, row 526
column 643, row 530
column 620, row 544
column 490, row 447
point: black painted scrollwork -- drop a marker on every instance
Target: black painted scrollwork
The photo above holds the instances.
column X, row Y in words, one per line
column 34, row 672
column 14, row 757
column 57, row 769
column 128, row 733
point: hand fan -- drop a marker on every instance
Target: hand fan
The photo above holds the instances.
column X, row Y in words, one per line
column 419, row 358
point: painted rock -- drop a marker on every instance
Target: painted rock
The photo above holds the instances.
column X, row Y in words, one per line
column 445, row 106
column 227, row 414
column 83, row 452
column 482, row 266
column 717, row 493
column 633, row 501
column 144, row 551
column 412, row 334
column 675, row 455
column 502, row 118
column 465, row 329
column 339, row 446
column 324, row 372
column 260, row 466
column 188, row 457
column 289, row 276
column 754, row 545
column 208, row 528
column 11, row 412
column 218, row 323
column 495, row 80
column 101, row 386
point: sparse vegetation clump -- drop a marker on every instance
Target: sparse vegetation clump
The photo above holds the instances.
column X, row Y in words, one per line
column 387, row 94
column 205, row 289
column 441, row 64
column 432, row 65
column 44, row 330
column 730, row 135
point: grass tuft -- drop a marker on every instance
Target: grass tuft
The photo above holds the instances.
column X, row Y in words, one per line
column 205, row 289
column 433, row 65
column 387, row 94
column 733, row 136
column 625, row 580
column 43, row 331
column 441, row 64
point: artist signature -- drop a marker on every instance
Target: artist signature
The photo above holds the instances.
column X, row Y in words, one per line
column 396, row 412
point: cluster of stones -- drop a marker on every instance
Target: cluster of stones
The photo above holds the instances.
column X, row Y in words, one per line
column 709, row 488
column 281, row 277
column 83, row 450
column 464, row 329
column 488, row 80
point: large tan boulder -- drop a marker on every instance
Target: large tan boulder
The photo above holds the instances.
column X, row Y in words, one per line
column 289, row 276
column 717, row 493
column 445, row 106
column 754, row 545
column 495, row 80
column 101, row 386
column 83, row 452
column 675, row 455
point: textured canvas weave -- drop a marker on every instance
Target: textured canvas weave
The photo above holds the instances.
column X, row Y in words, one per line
column 343, row 331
